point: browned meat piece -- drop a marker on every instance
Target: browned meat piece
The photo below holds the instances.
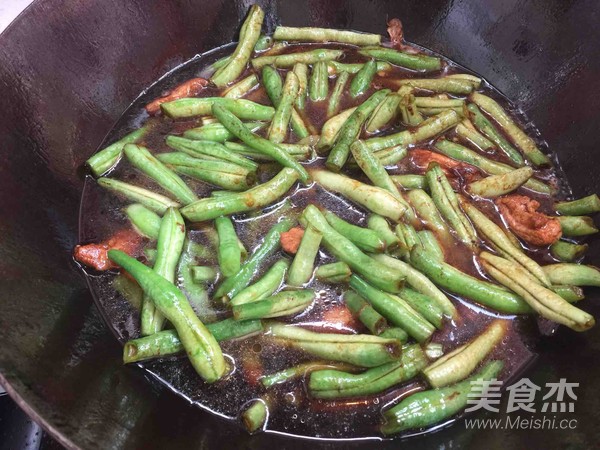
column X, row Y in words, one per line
column 189, row 88
column 290, row 240
column 522, row 217
column 96, row 255
column 396, row 34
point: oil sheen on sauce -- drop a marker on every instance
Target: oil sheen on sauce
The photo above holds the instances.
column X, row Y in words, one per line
column 295, row 412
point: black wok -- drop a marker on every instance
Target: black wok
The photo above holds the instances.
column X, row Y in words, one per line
column 68, row 68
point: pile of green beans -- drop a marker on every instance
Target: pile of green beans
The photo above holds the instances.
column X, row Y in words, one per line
column 247, row 164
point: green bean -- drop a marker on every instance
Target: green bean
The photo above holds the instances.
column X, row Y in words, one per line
column 299, row 371
column 430, row 407
column 265, row 286
column 566, row 251
column 151, row 200
column 512, row 130
column 363, row 78
column 358, row 349
column 424, row 131
column 336, row 67
column 431, row 244
column 497, row 185
column 255, row 416
column 466, row 130
column 457, row 282
column 408, row 109
column 428, row 212
column 370, row 318
column 283, row 112
column 214, row 132
column 364, row 238
column 233, row 124
column 201, row 347
column 195, row 292
column 336, row 94
column 332, row 383
column 301, row 71
column 373, row 198
column 333, row 272
column 221, row 62
column 446, row 201
column 444, row 84
column 385, row 113
column 424, row 305
column 284, row 303
column 129, row 290
column 391, row 156
column 576, row 274
column 408, row 235
column 374, row 170
column 263, row 43
column 167, row 342
column 344, row 250
column 577, row 225
column 242, row 87
column 350, row 130
column 318, row 84
column 255, row 198
column 420, row 63
column 487, row 128
column 232, row 182
column 570, row 293
column 544, row 301
column 436, row 102
column 290, row 59
column 410, row 181
column 249, row 35
column 143, row 160
column 234, row 285
column 303, row 264
column 331, row 129
column 228, row 251
column 394, row 309
column 460, row 363
column 145, row 222
column 104, row 160
column 169, row 246
column 204, row 274
column 381, row 226
column 185, row 160
column 580, row 207
column 311, row 34
column 464, row 154
column 395, row 333
column 192, row 107
column 299, row 152
column 419, row 282
column 502, row 243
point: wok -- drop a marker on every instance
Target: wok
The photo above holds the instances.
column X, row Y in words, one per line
column 68, row 68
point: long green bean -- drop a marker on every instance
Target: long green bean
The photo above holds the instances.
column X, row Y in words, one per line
column 580, row 207
column 169, row 246
column 145, row 222
column 201, row 347
column 284, row 303
column 289, row 60
column 344, row 250
column 363, row 78
column 373, row 198
column 381, row 226
column 333, row 272
column 467, row 131
column 301, row 71
column 192, row 107
column 283, row 112
column 249, row 35
column 444, row 84
column 228, row 251
column 331, row 128
column 430, row 407
column 233, row 285
column 210, row 150
column 104, row 160
column 151, row 200
column 299, row 371
column 214, row 132
column 233, row 124
column 418, row 62
column 303, row 264
column 336, row 95
column 364, row 238
column 512, row 130
column 143, row 160
column 424, row 305
column 311, row 34
column 230, row 181
column 318, row 84
column 428, row 212
column 350, row 130
column 265, row 286
column 577, row 225
column 336, row 67
column 497, row 185
column 370, row 318
column 567, row 251
column 385, row 113
column 358, row 349
column 410, row 181
column 373, row 169
column 184, row 159
column 576, row 274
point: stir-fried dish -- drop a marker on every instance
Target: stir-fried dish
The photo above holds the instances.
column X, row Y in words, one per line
column 329, row 234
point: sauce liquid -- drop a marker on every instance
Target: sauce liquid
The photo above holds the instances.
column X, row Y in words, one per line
column 294, row 412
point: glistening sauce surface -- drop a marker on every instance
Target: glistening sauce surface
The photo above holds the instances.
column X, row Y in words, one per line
column 295, row 412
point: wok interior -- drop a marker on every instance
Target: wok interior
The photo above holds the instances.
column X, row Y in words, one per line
column 67, row 73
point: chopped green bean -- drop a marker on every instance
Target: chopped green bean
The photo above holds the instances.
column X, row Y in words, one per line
column 104, row 160
column 269, row 283
column 580, row 207
column 418, row 62
column 289, row 60
column 577, row 225
column 311, row 34
column 336, row 94
column 303, row 264
column 151, row 200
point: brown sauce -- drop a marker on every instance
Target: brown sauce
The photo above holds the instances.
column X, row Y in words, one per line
column 295, row 412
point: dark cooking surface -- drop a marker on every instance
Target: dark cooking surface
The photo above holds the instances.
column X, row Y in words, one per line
column 68, row 68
